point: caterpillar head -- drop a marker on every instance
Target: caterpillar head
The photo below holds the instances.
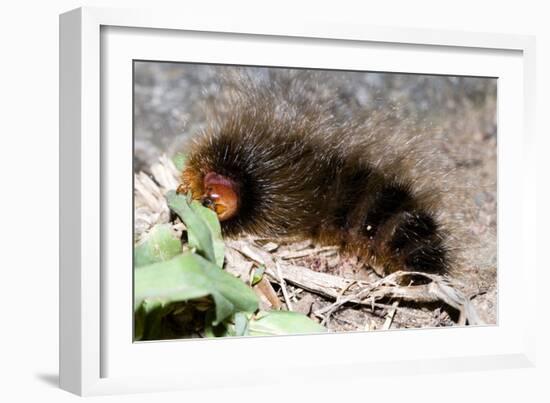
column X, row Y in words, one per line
column 217, row 192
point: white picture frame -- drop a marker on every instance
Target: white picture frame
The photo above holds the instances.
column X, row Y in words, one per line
column 97, row 357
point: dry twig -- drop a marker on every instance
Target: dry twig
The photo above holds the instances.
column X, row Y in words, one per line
column 436, row 289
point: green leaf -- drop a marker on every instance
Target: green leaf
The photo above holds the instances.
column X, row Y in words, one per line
column 274, row 323
column 161, row 244
column 236, row 325
column 211, row 220
column 257, row 275
column 179, row 161
column 187, row 277
column 203, row 227
column 241, row 324
column 265, row 323
column 148, row 320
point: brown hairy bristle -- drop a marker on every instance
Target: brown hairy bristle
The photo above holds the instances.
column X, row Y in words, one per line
column 295, row 170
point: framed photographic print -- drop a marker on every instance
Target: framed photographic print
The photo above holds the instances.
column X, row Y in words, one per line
column 233, row 187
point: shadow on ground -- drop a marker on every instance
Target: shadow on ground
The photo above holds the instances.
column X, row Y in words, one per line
column 49, row 379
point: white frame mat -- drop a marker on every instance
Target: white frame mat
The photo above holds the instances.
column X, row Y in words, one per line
column 97, row 47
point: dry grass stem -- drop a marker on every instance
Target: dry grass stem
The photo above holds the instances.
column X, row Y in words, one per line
column 390, row 316
column 283, row 286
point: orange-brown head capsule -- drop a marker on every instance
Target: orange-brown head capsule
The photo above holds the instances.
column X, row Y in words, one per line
column 220, row 195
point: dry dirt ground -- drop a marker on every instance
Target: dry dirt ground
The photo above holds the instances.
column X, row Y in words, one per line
column 170, row 102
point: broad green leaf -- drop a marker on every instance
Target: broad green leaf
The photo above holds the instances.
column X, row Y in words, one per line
column 271, row 323
column 187, row 277
column 203, row 227
column 241, row 324
column 265, row 323
column 161, row 244
column 211, row 220
column 179, row 161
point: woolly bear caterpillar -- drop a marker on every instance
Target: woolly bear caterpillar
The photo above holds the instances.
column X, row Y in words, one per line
column 275, row 163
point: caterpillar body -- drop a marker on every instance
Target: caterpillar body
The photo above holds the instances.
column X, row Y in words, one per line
column 279, row 164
